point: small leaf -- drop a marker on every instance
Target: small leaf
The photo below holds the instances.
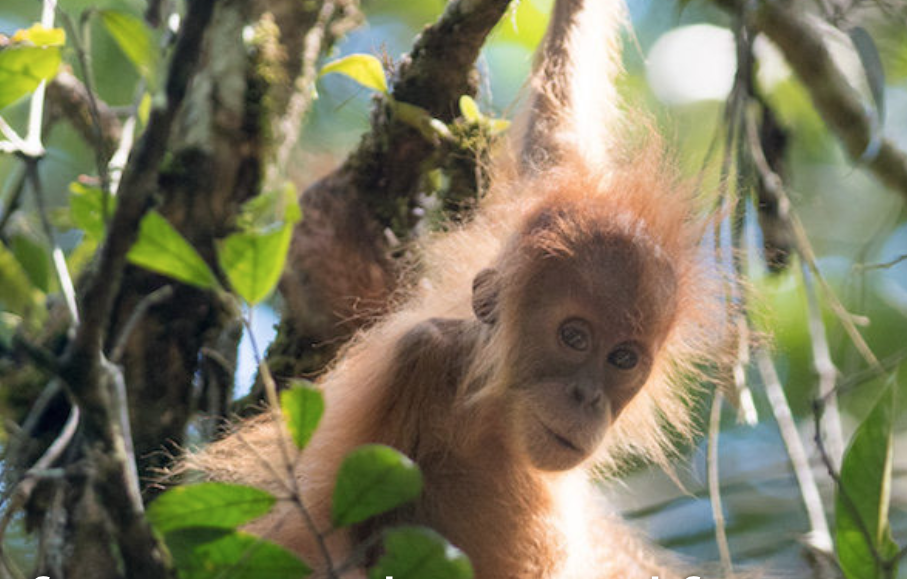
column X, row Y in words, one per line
column 135, row 40
column 872, row 66
column 363, row 68
column 161, row 248
column 37, row 35
column 469, row 109
column 203, row 553
column 22, row 68
column 866, row 480
column 302, row 408
column 373, row 479
column 209, row 504
column 86, row 205
column 417, row 553
column 498, row 126
column 420, row 119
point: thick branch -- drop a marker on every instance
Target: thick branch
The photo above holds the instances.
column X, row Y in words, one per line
column 339, row 270
column 837, row 101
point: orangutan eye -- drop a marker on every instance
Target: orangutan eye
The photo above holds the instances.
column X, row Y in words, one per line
column 623, row 357
column 576, row 335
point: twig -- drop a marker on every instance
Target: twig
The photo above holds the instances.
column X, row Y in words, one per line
column 715, row 486
column 26, row 484
column 68, row 97
column 101, row 155
column 16, row 143
column 809, row 490
column 883, row 265
column 823, row 365
column 835, row 99
column 156, row 297
column 289, row 124
column 825, row 369
column 58, row 259
column 773, row 186
column 284, row 445
column 886, row 365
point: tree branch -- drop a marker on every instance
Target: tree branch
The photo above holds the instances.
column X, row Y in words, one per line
column 839, row 104
column 67, row 97
column 95, row 384
column 340, row 271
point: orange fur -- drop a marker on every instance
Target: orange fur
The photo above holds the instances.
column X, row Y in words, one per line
column 438, row 384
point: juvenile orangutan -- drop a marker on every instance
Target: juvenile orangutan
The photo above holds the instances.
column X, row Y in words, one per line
column 546, row 340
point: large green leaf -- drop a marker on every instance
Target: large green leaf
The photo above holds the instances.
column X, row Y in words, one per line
column 205, row 552
column 419, row 553
column 210, row 504
column 302, row 408
column 373, row 479
column 253, row 258
column 253, row 261
column 866, row 483
column 363, row 68
column 22, row 68
column 136, row 41
column 161, row 248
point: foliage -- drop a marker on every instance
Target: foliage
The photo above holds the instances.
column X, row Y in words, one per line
column 854, row 229
column 199, row 522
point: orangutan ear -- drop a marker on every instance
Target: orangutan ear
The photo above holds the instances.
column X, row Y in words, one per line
column 485, row 295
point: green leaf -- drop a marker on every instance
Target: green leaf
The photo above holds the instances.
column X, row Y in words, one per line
column 363, row 68
column 302, row 408
column 209, row 504
column 417, row 553
column 86, row 204
column 872, row 66
column 254, row 260
column 34, row 258
column 866, row 480
column 498, row 126
column 469, row 109
column 17, row 294
column 161, row 248
column 373, row 479
column 204, row 552
column 136, row 41
column 22, row 68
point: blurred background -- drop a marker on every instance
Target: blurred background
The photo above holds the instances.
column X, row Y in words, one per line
column 680, row 67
